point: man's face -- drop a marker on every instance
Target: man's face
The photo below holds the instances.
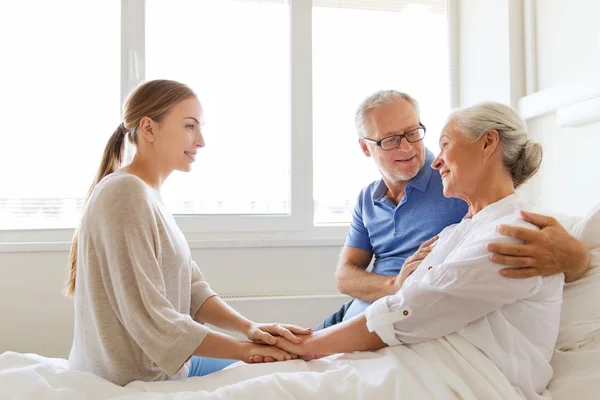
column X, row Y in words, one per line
column 405, row 161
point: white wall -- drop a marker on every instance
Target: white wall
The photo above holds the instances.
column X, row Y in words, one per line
column 568, row 41
column 478, row 29
column 568, row 49
column 490, row 51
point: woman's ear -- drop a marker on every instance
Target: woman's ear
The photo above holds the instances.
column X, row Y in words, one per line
column 490, row 141
column 146, row 129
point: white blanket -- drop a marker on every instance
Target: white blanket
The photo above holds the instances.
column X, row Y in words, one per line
column 445, row 368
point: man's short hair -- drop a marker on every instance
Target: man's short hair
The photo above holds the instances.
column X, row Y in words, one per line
column 376, row 100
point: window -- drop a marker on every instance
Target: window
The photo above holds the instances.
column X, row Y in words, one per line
column 278, row 84
column 59, row 96
column 399, row 45
column 235, row 55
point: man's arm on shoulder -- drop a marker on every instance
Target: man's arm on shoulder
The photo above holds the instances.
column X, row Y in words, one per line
column 354, row 280
column 549, row 251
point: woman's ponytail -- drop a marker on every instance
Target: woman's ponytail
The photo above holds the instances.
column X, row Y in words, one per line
column 112, row 159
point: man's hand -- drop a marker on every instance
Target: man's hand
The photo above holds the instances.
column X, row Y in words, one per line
column 549, row 251
column 265, row 333
column 412, row 263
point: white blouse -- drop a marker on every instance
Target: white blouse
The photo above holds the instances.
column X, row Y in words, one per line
column 457, row 288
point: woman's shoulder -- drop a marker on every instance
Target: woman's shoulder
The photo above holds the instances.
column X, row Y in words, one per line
column 121, row 191
column 513, row 217
column 123, row 183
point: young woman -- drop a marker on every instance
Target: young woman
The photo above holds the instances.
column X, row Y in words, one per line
column 140, row 299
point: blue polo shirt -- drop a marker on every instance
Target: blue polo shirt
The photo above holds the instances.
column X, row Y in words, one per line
column 394, row 232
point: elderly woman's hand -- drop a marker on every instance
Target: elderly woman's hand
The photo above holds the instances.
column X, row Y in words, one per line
column 549, row 251
column 265, row 333
column 413, row 262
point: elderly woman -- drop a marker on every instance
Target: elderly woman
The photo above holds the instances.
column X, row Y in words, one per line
column 485, row 155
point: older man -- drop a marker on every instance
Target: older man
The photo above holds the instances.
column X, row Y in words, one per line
column 395, row 215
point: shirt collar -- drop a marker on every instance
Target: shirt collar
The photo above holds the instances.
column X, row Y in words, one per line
column 421, row 180
column 493, row 209
column 380, row 191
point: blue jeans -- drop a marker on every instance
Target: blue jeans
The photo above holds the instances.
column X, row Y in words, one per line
column 334, row 318
column 201, row 366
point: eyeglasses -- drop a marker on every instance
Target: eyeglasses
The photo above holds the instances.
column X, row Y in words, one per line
column 391, row 142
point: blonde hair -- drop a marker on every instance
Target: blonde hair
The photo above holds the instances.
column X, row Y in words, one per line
column 151, row 99
column 520, row 155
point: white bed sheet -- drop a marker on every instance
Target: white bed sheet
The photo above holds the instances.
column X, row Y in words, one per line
column 445, row 368
column 577, row 373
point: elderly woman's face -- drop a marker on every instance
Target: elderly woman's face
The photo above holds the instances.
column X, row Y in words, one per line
column 459, row 163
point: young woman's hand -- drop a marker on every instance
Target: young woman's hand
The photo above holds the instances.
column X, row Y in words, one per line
column 301, row 349
column 267, row 333
column 258, row 353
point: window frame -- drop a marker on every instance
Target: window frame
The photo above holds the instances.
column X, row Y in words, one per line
column 299, row 224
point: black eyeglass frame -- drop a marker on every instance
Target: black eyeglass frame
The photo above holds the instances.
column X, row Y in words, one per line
column 403, row 136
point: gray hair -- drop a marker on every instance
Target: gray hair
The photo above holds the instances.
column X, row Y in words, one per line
column 376, row 100
column 521, row 156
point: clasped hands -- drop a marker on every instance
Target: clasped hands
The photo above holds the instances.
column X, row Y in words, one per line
column 278, row 342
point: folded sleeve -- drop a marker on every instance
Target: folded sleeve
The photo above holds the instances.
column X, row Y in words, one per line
column 447, row 298
column 201, row 290
column 135, row 281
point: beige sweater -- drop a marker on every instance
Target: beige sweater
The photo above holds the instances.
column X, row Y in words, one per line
column 137, row 287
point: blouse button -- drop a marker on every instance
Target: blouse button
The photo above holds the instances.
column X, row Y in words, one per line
column 405, row 312
column 429, row 267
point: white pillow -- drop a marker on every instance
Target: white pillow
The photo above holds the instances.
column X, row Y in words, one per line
column 580, row 318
